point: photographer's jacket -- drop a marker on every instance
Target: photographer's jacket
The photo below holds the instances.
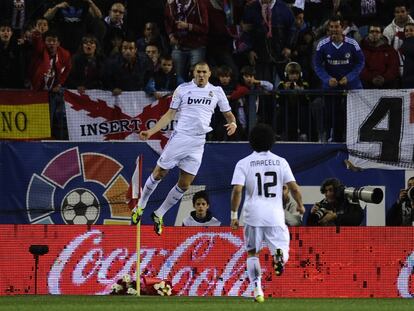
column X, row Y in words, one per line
column 348, row 214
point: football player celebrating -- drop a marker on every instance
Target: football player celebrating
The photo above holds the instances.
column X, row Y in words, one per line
column 196, row 101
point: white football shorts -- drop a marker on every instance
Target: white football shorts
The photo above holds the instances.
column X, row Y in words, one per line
column 183, row 151
column 273, row 237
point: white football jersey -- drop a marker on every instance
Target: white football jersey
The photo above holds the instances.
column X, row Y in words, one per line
column 263, row 175
column 196, row 105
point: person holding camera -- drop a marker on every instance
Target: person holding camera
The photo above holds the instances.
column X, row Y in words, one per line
column 401, row 212
column 335, row 209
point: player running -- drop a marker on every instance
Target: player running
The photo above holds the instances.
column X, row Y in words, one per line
column 263, row 174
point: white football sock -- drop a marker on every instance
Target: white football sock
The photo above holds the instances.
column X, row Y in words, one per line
column 254, row 272
column 173, row 197
column 149, row 187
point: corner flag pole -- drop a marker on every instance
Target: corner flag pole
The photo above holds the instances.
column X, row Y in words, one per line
column 138, row 235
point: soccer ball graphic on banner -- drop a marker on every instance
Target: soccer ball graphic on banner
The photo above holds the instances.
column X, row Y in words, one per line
column 80, row 207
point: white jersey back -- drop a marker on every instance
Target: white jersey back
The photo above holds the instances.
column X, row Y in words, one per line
column 196, row 105
column 263, row 175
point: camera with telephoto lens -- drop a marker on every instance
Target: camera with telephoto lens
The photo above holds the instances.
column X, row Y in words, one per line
column 367, row 194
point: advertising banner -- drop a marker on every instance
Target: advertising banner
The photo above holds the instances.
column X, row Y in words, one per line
column 324, row 262
column 24, row 115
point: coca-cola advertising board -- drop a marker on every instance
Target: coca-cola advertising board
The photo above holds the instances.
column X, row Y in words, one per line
column 324, row 262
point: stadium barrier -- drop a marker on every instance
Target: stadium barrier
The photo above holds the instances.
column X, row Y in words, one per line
column 86, row 183
column 324, row 262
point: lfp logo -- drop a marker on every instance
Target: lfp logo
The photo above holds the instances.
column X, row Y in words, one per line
column 78, row 188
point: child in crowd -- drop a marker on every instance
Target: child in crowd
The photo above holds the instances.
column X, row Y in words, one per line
column 165, row 80
column 294, row 106
column 201, row 216
column 248, row 83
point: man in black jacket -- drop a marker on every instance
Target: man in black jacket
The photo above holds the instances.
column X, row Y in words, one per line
column 335, row 209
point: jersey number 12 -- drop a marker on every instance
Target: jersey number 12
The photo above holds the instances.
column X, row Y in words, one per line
column 265, row 187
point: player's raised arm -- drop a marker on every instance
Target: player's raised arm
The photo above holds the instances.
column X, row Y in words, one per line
column 163, row 122
column 231, row 125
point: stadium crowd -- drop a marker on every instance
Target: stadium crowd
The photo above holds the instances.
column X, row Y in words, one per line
column 259, row 45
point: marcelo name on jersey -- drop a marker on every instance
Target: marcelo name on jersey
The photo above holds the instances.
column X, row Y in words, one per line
column 199, row 101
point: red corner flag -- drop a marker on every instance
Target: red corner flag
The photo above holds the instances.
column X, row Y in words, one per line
column 134, row 189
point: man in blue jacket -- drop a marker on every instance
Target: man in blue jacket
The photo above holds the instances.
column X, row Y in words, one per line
column 338, row 62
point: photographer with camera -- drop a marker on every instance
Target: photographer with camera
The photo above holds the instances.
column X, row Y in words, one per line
column 335, row 209
column 401, row 212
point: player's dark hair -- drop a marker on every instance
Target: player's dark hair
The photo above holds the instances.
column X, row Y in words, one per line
column 201, row 195
column 202, row 63
column 262, row 137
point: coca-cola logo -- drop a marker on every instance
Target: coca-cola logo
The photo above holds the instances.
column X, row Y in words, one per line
column 210, row 263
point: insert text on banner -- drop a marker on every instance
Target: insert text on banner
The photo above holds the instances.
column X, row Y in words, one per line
column 100, row 116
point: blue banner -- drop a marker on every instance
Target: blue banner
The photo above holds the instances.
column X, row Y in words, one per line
column 85, row 183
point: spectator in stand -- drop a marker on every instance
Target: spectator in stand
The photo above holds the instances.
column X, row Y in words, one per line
column 41, row 25
column 273, row 34
column 87, row 66
column 153, row 54
column 74, row 19
column 249, row 83
column 186, row 23
column 294, row 109
column 224, row 79
column 224, row 19
column 165, row 80
column 19, row 13
column 320, row 10
column 201, row 216
column 152, row 35
column 381, row 70
column 115, row 44
column 293, row 212
column 115, row 25
column 368, row 12
column 407, row 50
column 401, row 212
column 11, row 59
column 302, row 49
column 127, row 71
column 338, row 62
column 394, row 32
column 51, row 67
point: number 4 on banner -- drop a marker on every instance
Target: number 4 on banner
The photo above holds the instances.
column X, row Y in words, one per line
column 390, row 136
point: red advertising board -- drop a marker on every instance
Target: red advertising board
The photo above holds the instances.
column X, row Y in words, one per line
column 324, row 262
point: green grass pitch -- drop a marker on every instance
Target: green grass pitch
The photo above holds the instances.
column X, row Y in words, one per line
column 115, row 303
